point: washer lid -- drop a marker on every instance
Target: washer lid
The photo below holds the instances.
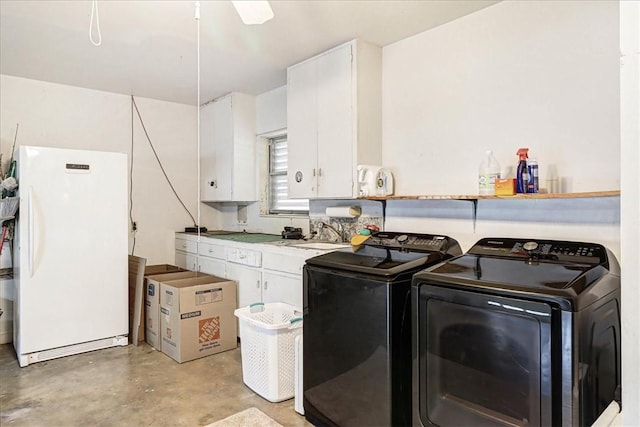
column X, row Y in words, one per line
column 512, row 272
column 574, row 274
column 391, row 253
column 376, row 261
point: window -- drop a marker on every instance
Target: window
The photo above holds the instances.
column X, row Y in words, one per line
column 278, row 192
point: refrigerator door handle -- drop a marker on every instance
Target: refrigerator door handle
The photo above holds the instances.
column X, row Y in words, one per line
column 31, row 237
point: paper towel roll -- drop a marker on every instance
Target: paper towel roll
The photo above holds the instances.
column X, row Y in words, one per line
column 343, row 211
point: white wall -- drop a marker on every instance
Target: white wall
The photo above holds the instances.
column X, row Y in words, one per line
column 55, row 115
column 630, row 232
column 539, row 74
column 536, row 74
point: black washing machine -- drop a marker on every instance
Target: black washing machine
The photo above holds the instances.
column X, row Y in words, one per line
column 517, row 332
column 357, row 329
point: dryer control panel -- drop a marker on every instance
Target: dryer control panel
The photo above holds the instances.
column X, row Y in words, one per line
column 555, row 250
column 408, row 241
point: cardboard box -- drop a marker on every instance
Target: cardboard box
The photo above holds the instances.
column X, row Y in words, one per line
column 197, row 317
column 136, row 299
column 150, row 270
column 152, row 303
column 505, row 187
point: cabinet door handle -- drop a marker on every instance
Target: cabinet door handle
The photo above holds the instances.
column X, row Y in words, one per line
column 314, row 171
column 265, row 285
column 319, row 171
column 258, row 284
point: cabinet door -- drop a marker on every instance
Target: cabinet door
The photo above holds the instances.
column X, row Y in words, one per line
column 302, row 129
column 216, row 150
column 215, row 267
column 185, row 260
column 249, row 283
column 335, row 124
column 287, row 288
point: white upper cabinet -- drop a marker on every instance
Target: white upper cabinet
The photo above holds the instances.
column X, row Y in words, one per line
column 333, row 119
column 228, row 149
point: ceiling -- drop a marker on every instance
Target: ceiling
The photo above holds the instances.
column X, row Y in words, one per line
column 150, row 49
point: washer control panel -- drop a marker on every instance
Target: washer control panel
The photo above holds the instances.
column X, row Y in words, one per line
column 408, row 241
column 555, row 250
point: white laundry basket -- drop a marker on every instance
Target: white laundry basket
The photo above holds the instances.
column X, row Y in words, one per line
column 267, row 345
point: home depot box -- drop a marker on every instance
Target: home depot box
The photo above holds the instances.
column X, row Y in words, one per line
column 152, row 302
column 196, row 317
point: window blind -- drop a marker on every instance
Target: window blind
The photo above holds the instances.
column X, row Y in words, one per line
column 279, row 202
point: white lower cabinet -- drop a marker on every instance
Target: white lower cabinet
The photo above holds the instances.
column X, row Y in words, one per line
column 211, row 259
column 198, row 256
column 282, row 287
column 249, row 283
column 185, row 260
column 186, row 254
column 213, row 267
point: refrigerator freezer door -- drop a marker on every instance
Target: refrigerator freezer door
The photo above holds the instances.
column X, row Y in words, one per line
column 72, row 268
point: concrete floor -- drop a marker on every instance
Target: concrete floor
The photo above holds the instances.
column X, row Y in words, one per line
column 129, row 386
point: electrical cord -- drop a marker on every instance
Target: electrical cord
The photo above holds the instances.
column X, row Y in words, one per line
column 160, row 163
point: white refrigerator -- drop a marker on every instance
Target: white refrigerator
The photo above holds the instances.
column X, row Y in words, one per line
column 70, row 256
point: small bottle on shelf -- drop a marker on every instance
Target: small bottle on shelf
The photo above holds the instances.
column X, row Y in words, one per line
column 533, row 186
column 488, row 173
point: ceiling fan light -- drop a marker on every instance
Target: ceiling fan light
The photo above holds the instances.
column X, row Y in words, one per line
column 253, row 12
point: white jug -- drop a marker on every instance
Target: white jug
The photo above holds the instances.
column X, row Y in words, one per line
column 367, row 176
column 384, row 182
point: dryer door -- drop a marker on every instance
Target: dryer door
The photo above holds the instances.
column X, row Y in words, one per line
column 482, row 359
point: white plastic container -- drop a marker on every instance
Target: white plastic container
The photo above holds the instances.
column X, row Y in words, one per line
column 267, row 345
column 488, row 172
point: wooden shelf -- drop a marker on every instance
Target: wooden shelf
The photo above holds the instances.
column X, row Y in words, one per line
column 588, row 194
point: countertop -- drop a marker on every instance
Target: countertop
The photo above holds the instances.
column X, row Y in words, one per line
column 269, row 240
column 238, row 236
column 248, row 237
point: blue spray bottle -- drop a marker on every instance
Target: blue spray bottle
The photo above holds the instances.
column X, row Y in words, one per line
column 522, row 173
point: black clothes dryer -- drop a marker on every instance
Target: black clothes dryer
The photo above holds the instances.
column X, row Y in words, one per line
column 357, row 329
column 517, row 332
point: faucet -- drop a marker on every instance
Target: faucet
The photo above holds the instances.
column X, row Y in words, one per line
column 321, row 225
